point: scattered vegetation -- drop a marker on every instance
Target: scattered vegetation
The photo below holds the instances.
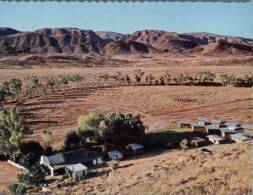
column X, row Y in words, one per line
column 12, row 130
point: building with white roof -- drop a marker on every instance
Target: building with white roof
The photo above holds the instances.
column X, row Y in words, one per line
column 78, row 171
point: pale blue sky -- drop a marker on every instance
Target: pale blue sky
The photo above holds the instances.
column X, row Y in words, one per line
column 221, row 18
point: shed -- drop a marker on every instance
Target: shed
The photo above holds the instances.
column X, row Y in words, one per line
column 185, row 123
column 238, row 137
column 211, row 129
column 225, row 132
column 215, row 139
column 198, row 127
column 78, row 171
column 247, row 127
column 231, row 123
column 115, row 155
column 197, row 142
column 216, row 122
column 201, row 120
column 136, row 148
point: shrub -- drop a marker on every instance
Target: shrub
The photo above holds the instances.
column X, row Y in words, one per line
column 71, row 140
column 35, row 176
column 47, row 138
column 17, row 189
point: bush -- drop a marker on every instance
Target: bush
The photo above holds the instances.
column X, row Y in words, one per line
column 17, row 189
column 30, row 153
column 35, row 176
column 71, row 140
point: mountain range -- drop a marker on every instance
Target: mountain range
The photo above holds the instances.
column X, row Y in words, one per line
column 73, row 40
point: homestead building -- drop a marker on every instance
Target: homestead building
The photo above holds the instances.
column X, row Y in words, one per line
column 198, row 127
column 71, row 160
column 238, row 137
column 215, row 139
column 184, row 123
column 216, row 123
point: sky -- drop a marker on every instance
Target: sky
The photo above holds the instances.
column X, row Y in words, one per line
column 221, row 18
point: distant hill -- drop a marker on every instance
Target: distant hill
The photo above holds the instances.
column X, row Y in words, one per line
column 73, row 40
column 110, row 35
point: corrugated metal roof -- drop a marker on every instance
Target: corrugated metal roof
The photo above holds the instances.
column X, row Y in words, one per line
column 56, row 159
column 248, row 126
column 201, row 118
column 210, row 127
column 115, row 152
column 77, row 167
column 216, row 121
column 239, row 136
column 232, row 128
column 198, row 125
column 226, row 130
column 231, row 123
column 215, row 137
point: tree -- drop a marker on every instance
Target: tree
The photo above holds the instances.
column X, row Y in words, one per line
column 30, row 153
column 127, row 79
column 167, row 78
column 15, row 87
column 88, row 126
column 162, row 80
column 17, row 189
column 117, row 127
column 33, row 82
column 179, row 79
column 3, row 96
column 138, row 75
column 227, row 79
column 64, row 80
column 76, row 78
column 51, row 82
column 149, row 79
column 47, row 138
column 71, row 140
column 35, row 176
column 12, row 130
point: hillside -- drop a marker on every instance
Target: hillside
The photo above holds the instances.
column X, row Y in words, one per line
column 73, row 40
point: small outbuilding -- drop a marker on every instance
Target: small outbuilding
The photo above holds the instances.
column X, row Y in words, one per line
column 215, row 139
column 247, row 127
column 115, row 155
column 216, row 122
column 225, row 132
column 136, row 148
column 238, row 137
column 185, row 123
column 210, row 129
column 198, row 142
column 231, row 123
column 77, row 171
column 202, row 120
column 198, row 127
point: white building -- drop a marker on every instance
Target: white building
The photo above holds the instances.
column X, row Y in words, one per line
column 78, row 171
column 115, row 155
